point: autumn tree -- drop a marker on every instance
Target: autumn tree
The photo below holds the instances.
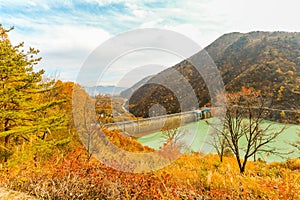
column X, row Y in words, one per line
column 26, row 109
column 243, row 130
column 86, row 120
column 219, row 143
column 173, row 136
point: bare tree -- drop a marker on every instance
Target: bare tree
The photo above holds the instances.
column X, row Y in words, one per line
column 87, row 125
column 173, row 134
column 242, row 129
column 219, row 143
column 297, row 144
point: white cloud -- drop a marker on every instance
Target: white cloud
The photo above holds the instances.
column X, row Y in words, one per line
column 270, row 15
column 137, row 11
column 151, row 24
column 103, row 2
column 66, row 39
column 203, row 38
column 63, row 48
column 136, row 65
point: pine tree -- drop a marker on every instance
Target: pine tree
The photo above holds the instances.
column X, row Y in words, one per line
column 27, row 110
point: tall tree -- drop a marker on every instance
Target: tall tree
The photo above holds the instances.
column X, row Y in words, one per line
column 243, row 131
column 26, row 112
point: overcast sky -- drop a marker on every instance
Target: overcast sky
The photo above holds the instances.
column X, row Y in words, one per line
column 67, row 31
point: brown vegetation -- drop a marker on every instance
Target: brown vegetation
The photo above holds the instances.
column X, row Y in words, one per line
column 266, row 61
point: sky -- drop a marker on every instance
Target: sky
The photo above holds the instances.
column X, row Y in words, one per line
column 68, row 31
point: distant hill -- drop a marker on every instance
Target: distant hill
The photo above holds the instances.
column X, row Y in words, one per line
column 266, row 61
column 128, row 92
column 110, row 90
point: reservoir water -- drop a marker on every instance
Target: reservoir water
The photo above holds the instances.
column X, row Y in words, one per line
column 197, row 138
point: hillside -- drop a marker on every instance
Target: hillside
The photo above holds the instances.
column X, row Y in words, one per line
column 266, row 61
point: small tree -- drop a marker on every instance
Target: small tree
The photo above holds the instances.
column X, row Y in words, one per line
column 219, row 143
column 84, row 115
column 242, row 127
column 171, row 131
column 297, row 144
column 173, row 135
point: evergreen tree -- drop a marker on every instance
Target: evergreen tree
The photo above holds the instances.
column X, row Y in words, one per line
column 27, row 110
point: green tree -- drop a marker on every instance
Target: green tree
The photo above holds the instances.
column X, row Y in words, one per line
column 26, row 111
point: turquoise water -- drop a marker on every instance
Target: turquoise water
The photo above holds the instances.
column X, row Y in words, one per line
column 196, row 137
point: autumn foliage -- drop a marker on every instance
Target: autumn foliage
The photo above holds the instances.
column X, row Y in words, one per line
column 190, row 177
column 41, row 151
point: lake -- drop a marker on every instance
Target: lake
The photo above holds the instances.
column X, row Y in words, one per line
column 196, row 137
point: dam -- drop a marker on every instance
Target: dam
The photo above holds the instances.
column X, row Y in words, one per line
column 140, row 127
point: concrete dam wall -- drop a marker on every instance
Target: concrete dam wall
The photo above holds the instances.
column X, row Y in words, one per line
column 141, row 127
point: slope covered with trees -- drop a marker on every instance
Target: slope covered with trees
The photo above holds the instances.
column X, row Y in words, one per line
column 266, row 61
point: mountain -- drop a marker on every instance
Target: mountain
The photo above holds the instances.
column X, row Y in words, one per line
column 110, row 90
column 266, row 61
column 128, row 92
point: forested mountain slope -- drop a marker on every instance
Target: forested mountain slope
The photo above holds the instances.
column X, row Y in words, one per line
column 266, row 61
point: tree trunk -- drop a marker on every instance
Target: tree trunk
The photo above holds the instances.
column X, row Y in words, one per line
column 221, row 155
column 6, row 141
column 242, row 169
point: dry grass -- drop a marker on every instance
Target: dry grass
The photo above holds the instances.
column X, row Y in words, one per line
column 6, row 194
